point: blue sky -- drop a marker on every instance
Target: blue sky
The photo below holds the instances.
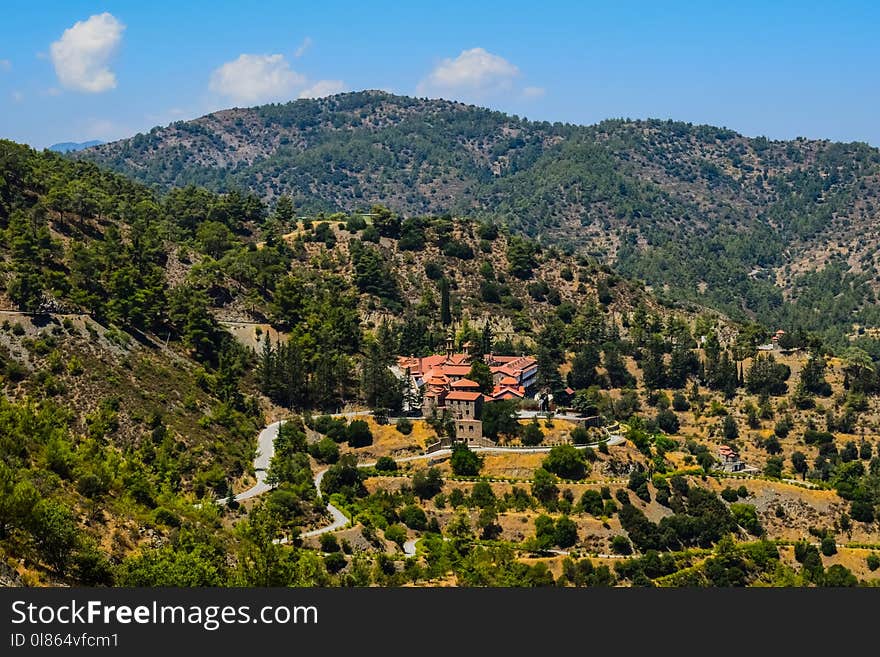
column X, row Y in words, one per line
column 77, row 70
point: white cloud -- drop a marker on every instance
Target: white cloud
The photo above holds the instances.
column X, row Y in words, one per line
column 256, row 79
column 323, row 88
column 475, row 72
column 53, row 91
column 82, row 55
column 534, row 92
column 17, row 96
column 303, row 47
column 5, row 65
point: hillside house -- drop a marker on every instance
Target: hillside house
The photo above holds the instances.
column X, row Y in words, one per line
column 467, row 409
column 729, row 459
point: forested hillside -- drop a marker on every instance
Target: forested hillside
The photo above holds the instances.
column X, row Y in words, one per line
column 782, row 233
column 125, row 399
column 146, row 338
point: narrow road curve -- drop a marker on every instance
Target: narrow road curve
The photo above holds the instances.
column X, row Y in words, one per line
column 265, row 452
column 340, row 520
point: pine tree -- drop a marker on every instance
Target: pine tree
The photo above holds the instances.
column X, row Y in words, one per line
column 486, row 339
column 284, row 210
column 652, row 364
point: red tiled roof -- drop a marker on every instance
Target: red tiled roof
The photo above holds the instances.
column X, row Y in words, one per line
column 463, row 395
column 465, row 383
column 456, row 370
column 507, row 393
column 509, row 381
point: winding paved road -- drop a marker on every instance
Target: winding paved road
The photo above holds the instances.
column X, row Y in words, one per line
column 340, row 520
column 265, row 451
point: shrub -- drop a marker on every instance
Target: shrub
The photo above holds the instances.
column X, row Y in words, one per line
column 747, row 518
column 414, row 517
column 354, row 223
column 427, row 483
column 359, row 434
column 335, row 561
column 396, row 534
column 165, row 516
column 370, row 234
column 335, row 428
column 828, row 545
column 873, row 561
column 680, row 402
column 325, row 450
column 565, row 532
column 580, row 436
column 729, row 494
column 464, row 461
column 667, row 421
column 532, row 435
column 329, row 543
column 386, row 464
column 404, row 426
column 592, row 502
column 457, row 249
column 487, row 231
column 620, row 545
column 433, row 270
column 774, row 467
column 861, row 511
column 565, row 461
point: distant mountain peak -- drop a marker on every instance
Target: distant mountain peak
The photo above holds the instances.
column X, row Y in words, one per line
column 71, row 146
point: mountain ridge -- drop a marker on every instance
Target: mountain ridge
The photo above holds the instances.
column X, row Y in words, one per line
column 696, row 211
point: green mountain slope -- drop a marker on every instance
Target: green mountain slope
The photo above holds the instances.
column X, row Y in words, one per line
column 127, row 404
column 743, row 224
column 125, row 399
